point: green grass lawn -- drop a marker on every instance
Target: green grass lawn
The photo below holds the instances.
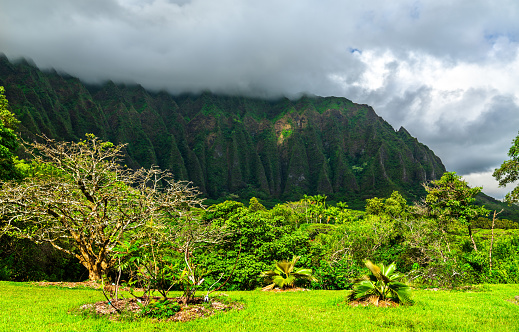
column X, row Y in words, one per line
column 25, row 307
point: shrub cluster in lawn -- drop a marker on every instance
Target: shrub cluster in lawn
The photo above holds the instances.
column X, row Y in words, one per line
column 160, row 309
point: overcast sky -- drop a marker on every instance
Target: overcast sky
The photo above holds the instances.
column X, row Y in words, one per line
column 448, row 71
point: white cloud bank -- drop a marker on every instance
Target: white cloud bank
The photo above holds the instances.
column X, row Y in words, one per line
column 445, row 70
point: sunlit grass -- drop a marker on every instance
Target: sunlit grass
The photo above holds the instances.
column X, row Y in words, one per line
column 26, row 307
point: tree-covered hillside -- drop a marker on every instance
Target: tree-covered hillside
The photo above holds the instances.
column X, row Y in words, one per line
column 271, row 149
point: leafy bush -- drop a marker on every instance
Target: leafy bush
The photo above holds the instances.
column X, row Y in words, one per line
column 338, row 275
column 263, row 236
column 160, row 309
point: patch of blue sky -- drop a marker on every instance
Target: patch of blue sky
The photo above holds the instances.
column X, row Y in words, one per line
column 493, row 37
column 415, row 10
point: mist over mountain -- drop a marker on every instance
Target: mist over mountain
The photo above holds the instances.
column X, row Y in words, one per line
column 271, row 149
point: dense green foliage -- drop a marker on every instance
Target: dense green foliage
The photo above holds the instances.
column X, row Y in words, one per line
column 510, row 212
column 8, row 141
column 334, row 241
column 508, row 172
column 273, row 150
column 23, row 260
column 160, row 309
column 451, row 199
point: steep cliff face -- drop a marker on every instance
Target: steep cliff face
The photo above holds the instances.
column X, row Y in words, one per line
column 270, row 149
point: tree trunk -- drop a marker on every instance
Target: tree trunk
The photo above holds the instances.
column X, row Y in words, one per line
column 492, row 241
column 96, row 266
column 472, row 238
column 95, row 271
column 491, row 244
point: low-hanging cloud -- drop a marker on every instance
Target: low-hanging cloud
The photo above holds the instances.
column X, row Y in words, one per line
column 446, row 71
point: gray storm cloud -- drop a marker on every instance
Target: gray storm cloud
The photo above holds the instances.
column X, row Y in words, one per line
column 442, row 69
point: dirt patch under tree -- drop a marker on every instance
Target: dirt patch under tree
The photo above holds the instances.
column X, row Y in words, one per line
column 114, row 309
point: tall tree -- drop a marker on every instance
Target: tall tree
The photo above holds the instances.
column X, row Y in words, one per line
column 82, row 201
column 451, row 198
column 508, row 172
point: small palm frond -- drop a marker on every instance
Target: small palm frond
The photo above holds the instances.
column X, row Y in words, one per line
column 388, row 270
column 303, row 273
column 377, row 271
column 295, row 259
column 279, row 281
column 400, row 292
column 289, row 282
column 285, row 267
column 373, row 268
column 363, row 289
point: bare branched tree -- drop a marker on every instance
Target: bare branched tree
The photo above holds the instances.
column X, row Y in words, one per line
column 81, row 200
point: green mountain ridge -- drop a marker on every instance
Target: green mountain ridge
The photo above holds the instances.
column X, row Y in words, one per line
column 271, row 149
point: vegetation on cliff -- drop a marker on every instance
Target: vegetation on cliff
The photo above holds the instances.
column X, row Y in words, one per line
column 277, row 149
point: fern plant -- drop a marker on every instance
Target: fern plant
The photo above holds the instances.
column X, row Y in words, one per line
column 381, row 285
column 285, row 274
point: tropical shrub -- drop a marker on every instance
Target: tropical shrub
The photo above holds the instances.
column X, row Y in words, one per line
column 285, row 274
column 381, row 285
column 149, row 264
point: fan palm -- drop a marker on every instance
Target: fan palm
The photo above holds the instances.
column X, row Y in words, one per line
column 285, row 274
column 381, row 285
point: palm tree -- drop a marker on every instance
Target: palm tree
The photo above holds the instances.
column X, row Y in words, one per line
column 285, row 274
column 381, row 285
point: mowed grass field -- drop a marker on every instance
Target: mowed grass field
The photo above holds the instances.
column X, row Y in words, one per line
column 26, row 307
